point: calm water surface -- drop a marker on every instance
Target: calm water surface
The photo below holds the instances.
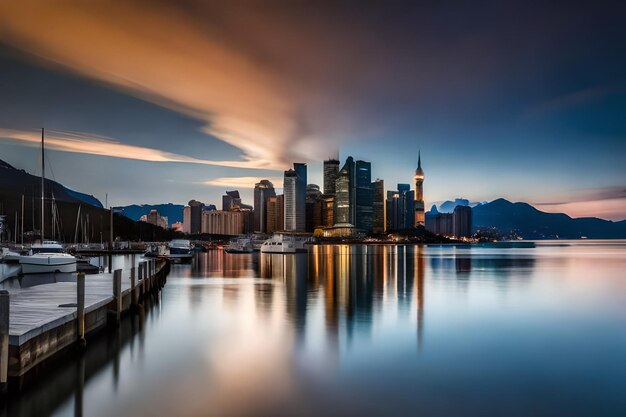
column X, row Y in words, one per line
column 377, row 330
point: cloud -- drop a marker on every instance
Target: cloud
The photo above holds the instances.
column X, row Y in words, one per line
column 604, row 202
column 167, row 55
column 240, row 182
column 85, row 143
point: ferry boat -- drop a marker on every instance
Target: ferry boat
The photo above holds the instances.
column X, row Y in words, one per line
column 47, row 257
column 285, row 243
column 180, row 249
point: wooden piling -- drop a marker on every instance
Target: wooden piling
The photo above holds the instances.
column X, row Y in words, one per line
column 4, row 339
column 117, row 294
column 80, row 308
column 133, row 289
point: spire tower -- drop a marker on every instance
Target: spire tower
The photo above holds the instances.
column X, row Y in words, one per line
column 419, row 192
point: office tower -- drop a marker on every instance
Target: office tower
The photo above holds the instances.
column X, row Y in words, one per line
column 462, row 220
column 263, row 190
column 378, row 206
column 230, row 200
column 328, row 210
column 363, row 197
column 294, row 188
column 331, row 169
column 314, row 203
column 275, row 214
column 342, row 198
column 419, row 192
column 195, row 217
column 400, row 208
column 345, row 194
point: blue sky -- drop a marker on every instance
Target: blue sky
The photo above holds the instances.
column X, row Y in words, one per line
column 165, row 103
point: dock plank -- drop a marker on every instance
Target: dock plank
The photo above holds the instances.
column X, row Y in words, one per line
column 37, row 309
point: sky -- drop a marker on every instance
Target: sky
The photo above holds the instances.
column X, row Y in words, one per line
column 157, row 101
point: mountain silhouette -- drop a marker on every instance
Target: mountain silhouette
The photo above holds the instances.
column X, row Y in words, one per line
column 173, row 212
column 531, row 223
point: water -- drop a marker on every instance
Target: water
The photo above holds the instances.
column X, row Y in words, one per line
column 378, row 330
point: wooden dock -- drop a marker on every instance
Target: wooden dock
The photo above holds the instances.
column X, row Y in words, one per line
column 39, row 322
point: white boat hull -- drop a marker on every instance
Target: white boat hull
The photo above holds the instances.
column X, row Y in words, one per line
column 41, row 264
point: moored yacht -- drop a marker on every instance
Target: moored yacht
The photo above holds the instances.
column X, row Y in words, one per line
column 285, row 243
column 239, row 245
column 180, row 249
column 47, row 257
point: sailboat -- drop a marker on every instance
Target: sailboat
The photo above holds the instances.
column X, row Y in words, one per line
column 47, row 256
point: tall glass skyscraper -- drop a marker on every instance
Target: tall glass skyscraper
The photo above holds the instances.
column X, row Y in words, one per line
column 378, row 224
column 263, row 190
column 331, row 170
column 400, row 208
column 345, row 194
column 294, row 189
column 364, row 199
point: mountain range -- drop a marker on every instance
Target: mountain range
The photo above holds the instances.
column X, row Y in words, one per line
column 529, row 223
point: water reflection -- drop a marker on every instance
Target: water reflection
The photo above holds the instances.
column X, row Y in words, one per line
column 365, row 330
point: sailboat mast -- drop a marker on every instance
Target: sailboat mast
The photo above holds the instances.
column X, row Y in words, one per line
column 43, row 176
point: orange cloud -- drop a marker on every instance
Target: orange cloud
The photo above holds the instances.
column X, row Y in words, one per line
column 131, row 46
column 85, row 143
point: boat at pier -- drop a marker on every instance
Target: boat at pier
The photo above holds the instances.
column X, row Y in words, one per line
column 47, row 257
column 286, row 243
column 180, row 250
column 240, row 245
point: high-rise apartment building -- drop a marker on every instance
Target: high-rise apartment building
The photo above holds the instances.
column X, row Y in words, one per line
column 263, row 190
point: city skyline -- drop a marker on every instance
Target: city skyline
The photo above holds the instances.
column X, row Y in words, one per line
column 528, row 107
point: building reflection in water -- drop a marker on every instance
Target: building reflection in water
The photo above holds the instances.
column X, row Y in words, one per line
column 356, row 282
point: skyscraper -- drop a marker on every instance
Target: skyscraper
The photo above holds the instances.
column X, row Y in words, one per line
column 378, row 206
column 363, row 197
column 263, row 190
column 400, row 208
column 419, row 192
column 462, row 221
column 345, row 194
column 294, row 188
column 342, row 197
column 314, row 203
column 230, row 200
column 195, row 217
column 275, row 214
column 331, row 169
